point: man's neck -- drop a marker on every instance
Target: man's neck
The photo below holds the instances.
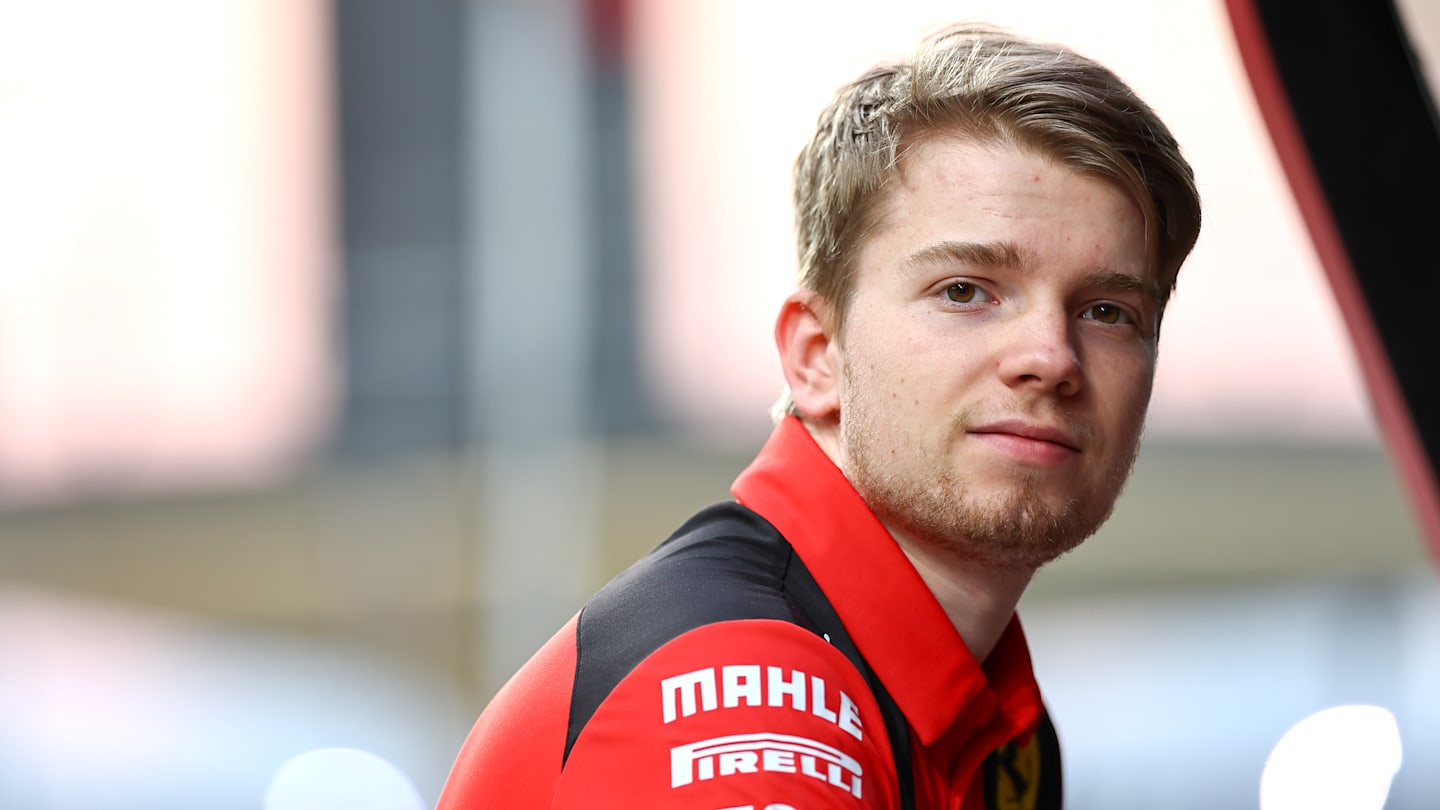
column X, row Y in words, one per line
column 979, row 599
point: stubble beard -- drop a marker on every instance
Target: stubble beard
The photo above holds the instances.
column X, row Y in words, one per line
column 919, row 491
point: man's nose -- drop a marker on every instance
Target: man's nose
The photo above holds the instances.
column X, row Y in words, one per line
column 1041, row 352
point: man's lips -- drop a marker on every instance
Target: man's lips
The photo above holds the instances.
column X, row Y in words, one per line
column 1031, row 432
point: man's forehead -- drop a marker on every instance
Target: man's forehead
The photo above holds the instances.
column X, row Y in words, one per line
column 886, row 205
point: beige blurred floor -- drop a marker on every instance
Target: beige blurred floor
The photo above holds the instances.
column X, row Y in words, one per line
column 382, row 557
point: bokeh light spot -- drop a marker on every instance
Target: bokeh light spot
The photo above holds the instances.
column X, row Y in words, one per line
column 1342, row 758
column 341, row 779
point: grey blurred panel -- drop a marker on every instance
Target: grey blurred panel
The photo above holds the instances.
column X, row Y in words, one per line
column 399, row 77
column 394, row 424
column 530, row 236
column 529, row 230
column 398, row 67
column 405, row 350
column 623, row 403
column 402, row 195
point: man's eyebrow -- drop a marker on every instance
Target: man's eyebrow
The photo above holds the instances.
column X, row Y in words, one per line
column 1113, row 282
column 1007, row 255
column 979, row 254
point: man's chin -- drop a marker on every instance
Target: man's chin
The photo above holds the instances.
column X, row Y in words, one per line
column 1018, row 528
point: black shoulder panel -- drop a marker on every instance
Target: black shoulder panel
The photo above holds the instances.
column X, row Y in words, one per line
column 726, row 563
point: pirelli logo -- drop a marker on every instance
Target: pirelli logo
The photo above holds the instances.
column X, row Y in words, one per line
column 768, row 753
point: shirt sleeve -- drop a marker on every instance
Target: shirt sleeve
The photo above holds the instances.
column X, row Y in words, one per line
column 752, row 714
column 512, row 756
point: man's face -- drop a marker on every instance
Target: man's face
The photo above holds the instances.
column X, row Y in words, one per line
column 997, row 355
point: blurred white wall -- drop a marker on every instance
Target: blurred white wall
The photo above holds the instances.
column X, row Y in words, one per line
column 165, row 268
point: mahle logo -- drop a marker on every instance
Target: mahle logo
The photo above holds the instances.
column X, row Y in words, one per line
column 706, row 690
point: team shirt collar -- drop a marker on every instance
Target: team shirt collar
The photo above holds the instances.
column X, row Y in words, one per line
column 889, row 612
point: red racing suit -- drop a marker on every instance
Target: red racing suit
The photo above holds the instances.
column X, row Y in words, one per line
column 778, row 653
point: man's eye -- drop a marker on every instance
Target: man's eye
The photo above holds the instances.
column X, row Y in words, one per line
column 962, row 292
column 1107, row 313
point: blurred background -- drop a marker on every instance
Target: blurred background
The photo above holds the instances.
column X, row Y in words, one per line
column 346, row 347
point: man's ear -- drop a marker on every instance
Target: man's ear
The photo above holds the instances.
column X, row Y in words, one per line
column 805, row 343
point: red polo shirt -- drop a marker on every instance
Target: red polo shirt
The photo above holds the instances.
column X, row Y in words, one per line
column 636, row 703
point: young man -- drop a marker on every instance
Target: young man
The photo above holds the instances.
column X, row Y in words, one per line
column 988, row 236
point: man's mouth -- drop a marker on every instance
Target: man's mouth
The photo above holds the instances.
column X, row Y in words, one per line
column 1019, row 433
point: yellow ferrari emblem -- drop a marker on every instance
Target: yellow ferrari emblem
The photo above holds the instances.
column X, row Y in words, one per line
column 1017, row 779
